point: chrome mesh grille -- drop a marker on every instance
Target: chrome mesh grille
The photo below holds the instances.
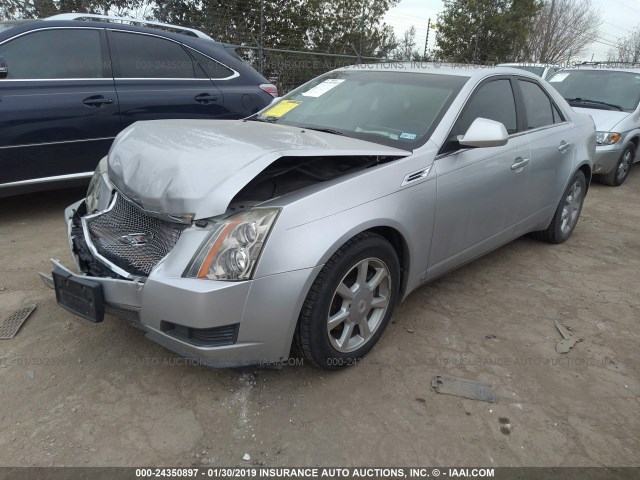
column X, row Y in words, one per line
column 131, row 239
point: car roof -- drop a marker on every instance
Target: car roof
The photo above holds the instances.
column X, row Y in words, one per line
column 24, row 26
column 460, row 70
column 526, row 64
column 600, row 68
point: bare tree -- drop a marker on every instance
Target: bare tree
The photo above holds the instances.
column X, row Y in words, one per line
column 627, row 49
column 562, row 29
column 406, row 49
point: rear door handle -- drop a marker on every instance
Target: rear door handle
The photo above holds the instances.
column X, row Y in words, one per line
column 519, row 163
column 96, row 101
column 205, row 98
column 564, row 146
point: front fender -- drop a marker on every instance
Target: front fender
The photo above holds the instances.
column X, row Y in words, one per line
column 409, row 211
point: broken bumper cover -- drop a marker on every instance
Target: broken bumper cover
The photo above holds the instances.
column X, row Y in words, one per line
column 218, row 324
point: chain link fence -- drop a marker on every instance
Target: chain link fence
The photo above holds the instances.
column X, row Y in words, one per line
column 288, row 69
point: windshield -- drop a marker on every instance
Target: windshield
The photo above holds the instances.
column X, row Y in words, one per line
column 608, row 89
column 535, row 70
column 398, row 109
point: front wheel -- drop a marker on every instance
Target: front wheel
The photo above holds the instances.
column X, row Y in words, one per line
column 568, row 211
column 350, row 303
column 619, row 174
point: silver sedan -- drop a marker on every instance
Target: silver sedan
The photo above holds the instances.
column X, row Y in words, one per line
column 301, row 228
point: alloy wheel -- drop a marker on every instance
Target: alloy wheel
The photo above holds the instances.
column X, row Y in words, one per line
column 359, row 305
column 625, row 165
column 571, row 208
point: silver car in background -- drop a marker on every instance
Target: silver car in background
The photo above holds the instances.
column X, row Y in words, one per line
column 612, row 97
column 234, row 241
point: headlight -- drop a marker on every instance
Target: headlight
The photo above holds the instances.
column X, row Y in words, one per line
column 607, row 138
column 93, row 192
column 231, row 250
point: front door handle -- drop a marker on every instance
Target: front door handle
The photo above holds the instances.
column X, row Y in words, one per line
column 205, row 98
column 96, row 101
column 564, row 146
column 519, row 163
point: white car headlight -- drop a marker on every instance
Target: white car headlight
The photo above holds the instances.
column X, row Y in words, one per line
column 607, row 138
column 232, row 249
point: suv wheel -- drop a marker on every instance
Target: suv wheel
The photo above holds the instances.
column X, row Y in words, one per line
column 619, row 174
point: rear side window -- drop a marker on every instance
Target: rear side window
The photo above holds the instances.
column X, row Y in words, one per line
column 54, row 54
column 212, row 68
column 145, row 56
column 537, row 104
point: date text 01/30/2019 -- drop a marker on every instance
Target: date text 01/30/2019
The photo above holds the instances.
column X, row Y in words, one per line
column 314, row 472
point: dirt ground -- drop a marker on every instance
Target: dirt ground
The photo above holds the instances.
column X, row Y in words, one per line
column 78, row 394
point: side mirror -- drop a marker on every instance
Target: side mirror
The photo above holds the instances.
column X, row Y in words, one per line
column 484, row 133
column 4, row 70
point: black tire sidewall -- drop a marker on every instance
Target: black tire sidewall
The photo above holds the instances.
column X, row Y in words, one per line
column 371, row 246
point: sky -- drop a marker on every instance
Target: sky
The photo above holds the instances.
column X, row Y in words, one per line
column 618, row 18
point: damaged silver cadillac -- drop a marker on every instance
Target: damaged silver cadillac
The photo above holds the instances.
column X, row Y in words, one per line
column 300, row 228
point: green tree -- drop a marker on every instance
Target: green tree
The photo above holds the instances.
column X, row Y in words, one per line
column 331, row 26
column 485, row 31
column 350, row 27
column 15, row 9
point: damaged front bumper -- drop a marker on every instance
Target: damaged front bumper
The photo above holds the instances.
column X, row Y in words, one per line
column 219, row 323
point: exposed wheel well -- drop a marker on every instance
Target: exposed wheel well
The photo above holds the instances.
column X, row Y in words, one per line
column 400, row 246
column 635, row 140
column 587, row 174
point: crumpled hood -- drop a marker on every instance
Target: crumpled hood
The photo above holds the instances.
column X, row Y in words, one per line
column 196, row 167
column 605, row 120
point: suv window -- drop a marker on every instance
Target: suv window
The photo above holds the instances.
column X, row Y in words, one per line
column 537, row 104
column 147, row 56
column 212, row 68
column 493, row 100
column 63, row 53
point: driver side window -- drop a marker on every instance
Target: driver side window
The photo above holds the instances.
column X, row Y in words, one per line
column 494, row 100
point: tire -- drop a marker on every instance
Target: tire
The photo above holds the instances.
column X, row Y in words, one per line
column 568, row 212
column 360, row 313
column 619, row 174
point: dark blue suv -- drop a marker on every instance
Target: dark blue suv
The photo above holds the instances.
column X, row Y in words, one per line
column 70, row 83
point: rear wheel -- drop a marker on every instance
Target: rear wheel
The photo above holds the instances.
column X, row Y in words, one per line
column 350, row 303
column 619, row 174
column 568, row 211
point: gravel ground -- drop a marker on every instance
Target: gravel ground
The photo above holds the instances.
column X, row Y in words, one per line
column 78, row 394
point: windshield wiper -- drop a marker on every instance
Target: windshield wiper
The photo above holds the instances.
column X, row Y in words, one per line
column 264, row 119
column 325, row 130
column 595, row 102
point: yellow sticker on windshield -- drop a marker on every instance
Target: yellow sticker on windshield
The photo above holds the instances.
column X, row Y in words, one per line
column 280, row 108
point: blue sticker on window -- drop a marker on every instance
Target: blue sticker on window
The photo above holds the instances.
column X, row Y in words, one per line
column 408, row 136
